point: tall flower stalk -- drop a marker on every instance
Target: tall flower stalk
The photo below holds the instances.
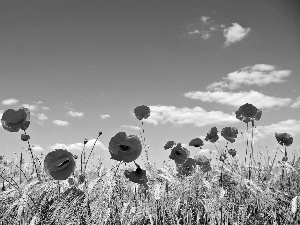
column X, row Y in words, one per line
column 247, row 113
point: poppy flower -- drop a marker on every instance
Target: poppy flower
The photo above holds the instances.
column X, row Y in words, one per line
column 205, row 168
column 13, row 121
column 212, row 136
column 196, row 142
column 59, row 164
column 229, row 133
column 201, row 160
column 125, row 148
column 248, row 112
column 138, row 176
column 142, row 112
column 169, row 144
column 187, row 167
column 24, row 137
column 85, row 141
column 179, row 154
column 284, row 139
column 232, row 152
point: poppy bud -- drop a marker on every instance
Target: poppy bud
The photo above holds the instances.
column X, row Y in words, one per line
column 81, row 178
column 3, row 187
column 71, row 181
column 24, row 137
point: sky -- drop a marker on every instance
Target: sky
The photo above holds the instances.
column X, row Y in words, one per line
column 81, row 67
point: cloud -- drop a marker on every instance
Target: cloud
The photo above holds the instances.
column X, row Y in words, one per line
column 104, row 116
column 194, row 32
column 288, row 126
column 79, row 146
column 45, row 108
column 42, row 116
column 259, row 74
column 235, row 34
column 131, row 127
column 10, row 101
column 240, row 98
column 204, row 29
column 181, row 116
column 60, row 122
column 296, row 103
column 205, row 19
column 75, row 114
column 37, row 148
column 30, row 107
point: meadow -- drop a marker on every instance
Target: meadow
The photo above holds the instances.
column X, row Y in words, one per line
column 52, row 190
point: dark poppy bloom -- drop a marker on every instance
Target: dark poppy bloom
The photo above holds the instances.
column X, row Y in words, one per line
column 142, row 112
column 169, row 144
column 85, row 141
column 232, row 152
column 59, row 164
column 227, row 180
column 187, row 167
column 248, row 112
column 75, row 156
column 205, row 168
column 229, row 133
column 284, row 139
column 212, row 136
column 138, row 176
column 202, row 160
column 179, row 154
column 13, row 121
column 125, row 148
column 196, row 142
column 24, row 137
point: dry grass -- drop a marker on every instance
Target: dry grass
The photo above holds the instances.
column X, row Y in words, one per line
column 109, row 198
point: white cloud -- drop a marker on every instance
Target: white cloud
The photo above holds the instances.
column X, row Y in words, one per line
column 194, row 32
column 288, row 126
column 181, row 116
column 79, row 146
column 37, row 148
column 240, row 98
column 206, row 36
column 259, row 74
column 60, row 122
column 75, row 114
column 296, row 103
column 30, row 107
column 131, row 127
column 45, row 108
column 10, row 101
column 235, row 33
column 204, row 19
column 104, row 116
column 42, row 116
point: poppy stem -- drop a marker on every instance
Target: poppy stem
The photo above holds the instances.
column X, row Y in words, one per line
column 33, row 158
column 91, row 151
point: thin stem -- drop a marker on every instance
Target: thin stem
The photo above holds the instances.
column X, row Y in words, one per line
column 91, row 151
column 32, row 158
